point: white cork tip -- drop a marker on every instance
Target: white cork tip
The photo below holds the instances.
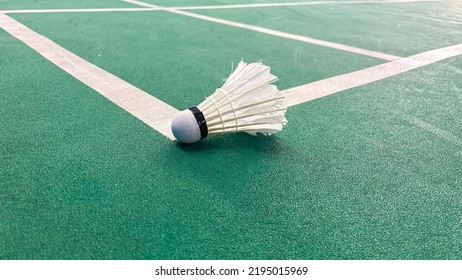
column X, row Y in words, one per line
column 185, row 127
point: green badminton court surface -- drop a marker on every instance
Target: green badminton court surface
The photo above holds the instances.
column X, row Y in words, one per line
column 369, row 170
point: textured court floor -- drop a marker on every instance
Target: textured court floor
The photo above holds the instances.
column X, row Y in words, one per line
column 368, row 167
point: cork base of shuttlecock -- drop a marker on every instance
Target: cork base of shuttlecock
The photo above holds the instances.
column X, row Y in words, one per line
column 185, row 127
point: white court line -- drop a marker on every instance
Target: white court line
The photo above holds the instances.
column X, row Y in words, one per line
column 260, row 5
column 272, row 32
column 140, row 104
column 446, row 135
column 308, row 92
column 90, row 10
column 96, row 10
column 158, row 114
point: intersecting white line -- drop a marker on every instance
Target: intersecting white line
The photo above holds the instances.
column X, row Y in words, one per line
column 311, row 91
column 147, row 108
column 158, row 114
column 150, row 7
column 237, row 6
column 271, row 32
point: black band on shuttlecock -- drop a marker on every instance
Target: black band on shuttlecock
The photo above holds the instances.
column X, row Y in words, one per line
column 200, row 121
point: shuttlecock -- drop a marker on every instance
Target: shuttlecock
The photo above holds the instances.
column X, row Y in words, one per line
column 247, row 102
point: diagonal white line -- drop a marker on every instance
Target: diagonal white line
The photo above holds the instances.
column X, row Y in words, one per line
column 97, row 10
column 158, row 114
column 443, row 134
column 260, row 5
column 336, row 84
column 140, row 104
column 272, row 32
column 237, row 6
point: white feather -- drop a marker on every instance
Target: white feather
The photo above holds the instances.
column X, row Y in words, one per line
column 247, row 102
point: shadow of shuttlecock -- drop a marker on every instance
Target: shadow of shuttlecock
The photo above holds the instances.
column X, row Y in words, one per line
column 261, row 143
